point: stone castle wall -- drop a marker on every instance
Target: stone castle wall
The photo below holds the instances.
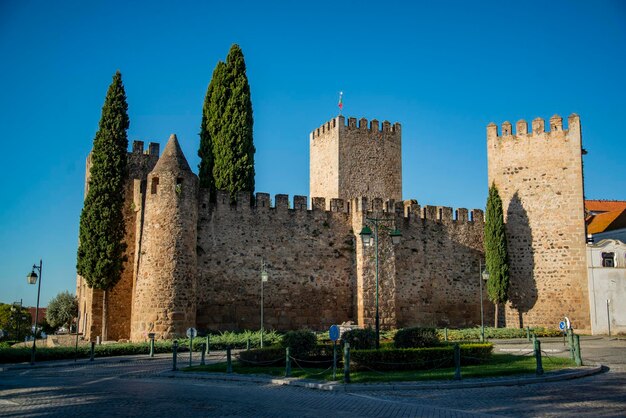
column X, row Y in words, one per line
column 539, row 177
column 353, row 161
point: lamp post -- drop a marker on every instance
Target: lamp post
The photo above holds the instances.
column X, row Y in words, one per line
column 32, row 279
column 264, row 277
column 367, row 236
column 484, row 276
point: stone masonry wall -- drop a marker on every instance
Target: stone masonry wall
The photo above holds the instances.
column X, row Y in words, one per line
column 539, row 177
column 437, row 265
column 309, row 256
column 350, row 161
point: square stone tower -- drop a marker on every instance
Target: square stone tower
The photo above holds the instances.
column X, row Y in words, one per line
column 540, row 179
column 350, row 161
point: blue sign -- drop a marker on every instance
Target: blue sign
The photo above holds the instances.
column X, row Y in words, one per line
column 562, row 325
column 333, row 332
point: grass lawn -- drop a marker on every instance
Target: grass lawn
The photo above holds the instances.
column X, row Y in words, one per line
column 498, row 365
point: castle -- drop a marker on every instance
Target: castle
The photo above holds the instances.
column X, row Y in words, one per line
column 195, row 260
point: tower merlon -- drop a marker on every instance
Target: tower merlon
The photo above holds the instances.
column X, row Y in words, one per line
column 300, row 202
column 137, row 147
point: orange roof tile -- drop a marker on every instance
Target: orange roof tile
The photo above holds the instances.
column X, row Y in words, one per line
column 607, row 221
column 605, row 205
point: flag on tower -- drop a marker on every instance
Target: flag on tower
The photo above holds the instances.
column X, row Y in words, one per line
column 340, row 101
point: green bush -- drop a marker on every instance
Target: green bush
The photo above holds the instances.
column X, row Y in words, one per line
column 418, row 358
column 416, row 337
column 495, row 333
column 300, row 342
column 360, row 339
column 267, row 356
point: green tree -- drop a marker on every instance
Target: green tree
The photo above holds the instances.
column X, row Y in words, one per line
column 101, row 246
column 62, row 309
column 15, row 321
column 496, row 254
column 227, row 125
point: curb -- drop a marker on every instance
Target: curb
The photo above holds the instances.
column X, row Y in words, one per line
column 370, row 387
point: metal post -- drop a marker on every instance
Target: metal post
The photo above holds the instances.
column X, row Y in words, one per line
column 528, row 333
column 190, row 348
column 207, row 345
column 174, row 353
column 539, row 370
column 229, row 364
column 482, row 316
column 248, row 344
column 570, row 340
column 334, row 360
column 202, row 355
column 445, row 334
column 287, row 363
column 346, row 363
column 93, row 350
column 32, row 356
column 579, row 359
column 457, row 362
column 151, row 336
column 377, row 314
column 608, row 316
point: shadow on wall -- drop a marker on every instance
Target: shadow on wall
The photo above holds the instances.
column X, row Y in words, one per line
column 523, row 287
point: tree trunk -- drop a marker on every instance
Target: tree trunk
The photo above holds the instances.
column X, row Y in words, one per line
column 496, row 316
column 104, row 316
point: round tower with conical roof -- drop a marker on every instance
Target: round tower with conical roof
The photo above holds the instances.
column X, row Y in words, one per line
column 164, row 301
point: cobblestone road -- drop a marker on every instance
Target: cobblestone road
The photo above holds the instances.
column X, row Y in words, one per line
column 136, row 386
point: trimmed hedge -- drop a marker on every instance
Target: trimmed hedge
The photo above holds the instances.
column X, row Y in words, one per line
column 418, row 358
column 359, row 339
column 416, row 337
column 300, row 342
column 494, row 333
column 266, row 356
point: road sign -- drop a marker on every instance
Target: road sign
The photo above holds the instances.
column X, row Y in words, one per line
column 191, row 332
column 562, row 325
column 333, row 332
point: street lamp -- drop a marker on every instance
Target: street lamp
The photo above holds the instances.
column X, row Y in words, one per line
column 264, row 277
column 367, row 237
column 32, row 279
column 484, row 276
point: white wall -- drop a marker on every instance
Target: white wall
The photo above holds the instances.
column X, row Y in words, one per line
column 607, row 283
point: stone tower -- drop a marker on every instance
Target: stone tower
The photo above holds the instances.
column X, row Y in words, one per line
column 540, row 180
column 165, row 291
column 349, row 162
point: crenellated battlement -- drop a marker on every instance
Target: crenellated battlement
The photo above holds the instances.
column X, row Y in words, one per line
column 408, row 209
column 153, row 148
column 363, row 125
column 538, row 128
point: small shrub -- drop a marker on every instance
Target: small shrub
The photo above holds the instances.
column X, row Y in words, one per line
column 416, row 338
column 300, row 342
column 418, row 358
column 360, row 339
column 267, row 356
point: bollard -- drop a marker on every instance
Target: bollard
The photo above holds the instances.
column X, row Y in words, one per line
column 174, row 352
column 202, row 354
column 151, row 336
column 334, row 360
column 539, row 370
column 190, row 349
column 229, row 364
column 93, row 349
column 248, row 344
column 346, row 363
column 287, row 363
column 207, row 344
column 570, row 340
column 445, row 334
column 579, row 359
column 457, row 362
column 528, row 333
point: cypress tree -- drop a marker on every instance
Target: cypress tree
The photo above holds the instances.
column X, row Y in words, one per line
column 496, row 255
column 227, row 124
column 101, row 233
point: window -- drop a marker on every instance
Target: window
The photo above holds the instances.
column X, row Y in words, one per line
column 179, row 185
column 608, row 259
column 154, row 185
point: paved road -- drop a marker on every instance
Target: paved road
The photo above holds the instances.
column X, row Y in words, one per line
column 136, row 387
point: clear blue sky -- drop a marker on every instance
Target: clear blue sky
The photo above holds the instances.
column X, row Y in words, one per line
column 443, row 69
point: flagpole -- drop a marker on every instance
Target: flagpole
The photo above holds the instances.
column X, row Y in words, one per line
column 340, row 102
